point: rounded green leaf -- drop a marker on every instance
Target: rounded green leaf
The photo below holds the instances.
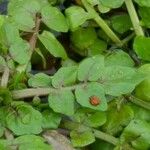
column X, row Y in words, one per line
column 82, row 139
column 91, row 68
column 65, row 76
column 142, row 47
column 82, row 38
column 112, row 3
column 40, row 80
column 98, row 47
column 62, row 102
column 76, row 16
column 54, row 19
column 121, row 23
column 120, row 58
column 52, row 45
column 20, row 52
column 83, row 95
column 24, row 120
column 31, row 142
column 51, row 120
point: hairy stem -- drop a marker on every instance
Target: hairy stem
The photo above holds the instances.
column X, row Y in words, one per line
column 139, row 102
column 134, row 18
column 25, row 93
column 102, row 23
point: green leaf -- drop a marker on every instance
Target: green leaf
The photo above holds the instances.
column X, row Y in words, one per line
column 62, row 102
column 83, row 95
column 31, row 142
column 141, row 46
column 81, row 139
column 1, row 20
column 65, row 76
column 52, row 45
column 5, row 95
column 118, row 80
column 82, row 38
column 51, row 120
column 138, row 134
column 93, row 2
column 112, row 4
column 103, row 9
column 89, row 117
column 24, row 120
column 145, row 13
column 96, row 119
column 121, row 23
column 40, row 80
column 98, row 47
column 23, row 20
column 7, row 31
column 142, row 3
column 117, row 119
column 120, row 58
column 54, row 19
column 91, row 68
column 76, row 16
column 30, row 6
column 20, row 52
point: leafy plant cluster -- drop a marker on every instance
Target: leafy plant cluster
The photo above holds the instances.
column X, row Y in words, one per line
column 75, row 75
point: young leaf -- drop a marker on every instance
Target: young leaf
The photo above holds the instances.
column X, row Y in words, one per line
column 24, row 120
column 98, row 47
column 65, row 76
column 120, row 58
column 52, row 44
column 62, row 102
column 91, row 68
column 121, row 23
column 51, row 120
column 84, row 94
column 96, row 119
column 31, row 142
column 20, row 52
column 82, row 38
column 54, row 19
column 40, row 80
column 141, row 46
column 82, row 139
column 76, row 16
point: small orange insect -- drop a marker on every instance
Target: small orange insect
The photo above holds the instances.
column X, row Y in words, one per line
column 94, row 100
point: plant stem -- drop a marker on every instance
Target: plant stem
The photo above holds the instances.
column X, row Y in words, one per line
column 106, row 137
column 5, row 77
column 25, row 93
column 139, row 102
column 102, row 23
column 134, row 18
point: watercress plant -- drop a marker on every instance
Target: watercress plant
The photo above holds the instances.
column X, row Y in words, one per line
column 75, row 75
